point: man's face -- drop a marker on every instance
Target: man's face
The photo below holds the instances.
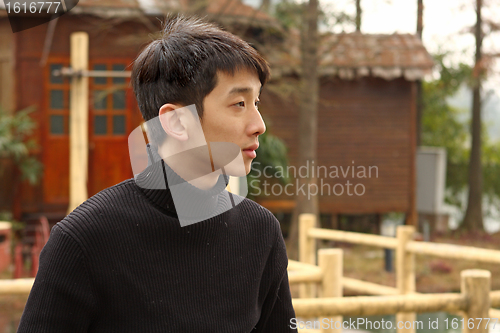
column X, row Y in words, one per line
column 230, row 113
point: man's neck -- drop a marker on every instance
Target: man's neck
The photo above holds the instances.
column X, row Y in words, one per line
column 192, row 165
column 205, row 182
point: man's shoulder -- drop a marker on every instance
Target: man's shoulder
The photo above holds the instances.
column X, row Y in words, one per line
column 102, row 208
column 249, row 205
column 255, row 213
column 113, row 198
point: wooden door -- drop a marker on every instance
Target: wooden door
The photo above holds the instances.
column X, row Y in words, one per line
column 55, row 144
column 113, row 115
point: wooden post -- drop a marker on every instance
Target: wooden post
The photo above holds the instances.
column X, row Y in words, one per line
column 307, row 250
column 405, row 272
column 234, row 185
column 331, row 263
column 475, row 286
column 411, row 214
column 335, row 222
column 78, row 124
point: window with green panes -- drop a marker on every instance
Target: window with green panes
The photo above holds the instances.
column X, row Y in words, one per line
column 109, row 101
column 58, row 101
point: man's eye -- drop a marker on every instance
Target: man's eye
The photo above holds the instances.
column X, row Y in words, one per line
column 242, row 104
column 257, row 103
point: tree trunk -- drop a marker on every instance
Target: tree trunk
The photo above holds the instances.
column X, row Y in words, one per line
column 473, row 219
column 359, row 11
column 308, row 124
column 420, row 18
column 420, row 107
column 265, row 6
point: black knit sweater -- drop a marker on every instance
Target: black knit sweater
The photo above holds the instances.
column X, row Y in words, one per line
column 121, row 262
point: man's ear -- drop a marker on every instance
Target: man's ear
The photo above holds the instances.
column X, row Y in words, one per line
column 172, row 121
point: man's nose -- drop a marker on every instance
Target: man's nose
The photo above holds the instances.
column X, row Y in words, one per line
column 257, row 125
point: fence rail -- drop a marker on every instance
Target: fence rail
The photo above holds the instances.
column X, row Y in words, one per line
column 378, row 305
column 16, row 286
column 450, row 251
column 475, row 299
column 352, row 237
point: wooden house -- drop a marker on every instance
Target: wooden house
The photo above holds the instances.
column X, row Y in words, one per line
column 366, row 122
column 117, row 30
column 367, row 116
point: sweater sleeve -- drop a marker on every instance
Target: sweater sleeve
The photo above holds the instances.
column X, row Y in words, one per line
column 277, row 310
column 61, row 299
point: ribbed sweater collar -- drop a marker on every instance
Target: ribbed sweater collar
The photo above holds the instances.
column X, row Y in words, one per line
column 158, row 180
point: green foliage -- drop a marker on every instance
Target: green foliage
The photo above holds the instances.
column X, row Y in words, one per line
column 16, row 225
column 491, row 170
column 442, row 127
column 290, row 14
column 272, row 155
column 14, row 143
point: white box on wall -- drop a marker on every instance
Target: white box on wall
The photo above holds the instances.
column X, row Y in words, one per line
column 431, row 179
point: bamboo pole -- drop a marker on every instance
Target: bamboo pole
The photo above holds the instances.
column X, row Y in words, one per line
column 353, row 237
column 495, row 299
column 304, row 277
column 377, row 289
column 78, row 123
column 378, row 305
column 494, row 313
column 475, row 286
column 307, row 250
column 297, row 265
column 405, row 272
column 449, row 251
column 454, row 252
column 65, row 71
column 234, row 185
column 16, row 286
column 368, row 287
column 331, row 263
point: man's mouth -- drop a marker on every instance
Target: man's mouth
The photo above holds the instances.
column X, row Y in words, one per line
column 250, row 151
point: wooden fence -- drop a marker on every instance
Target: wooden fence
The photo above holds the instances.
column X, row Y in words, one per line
column 474, row 301
column 321, row 285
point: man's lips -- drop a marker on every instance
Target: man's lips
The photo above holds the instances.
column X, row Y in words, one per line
column 250, row 151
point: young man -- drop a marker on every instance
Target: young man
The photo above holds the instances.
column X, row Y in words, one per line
column 122, row 261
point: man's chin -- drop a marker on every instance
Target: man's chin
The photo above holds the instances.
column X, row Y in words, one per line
column 237, row 170
column 248, row 167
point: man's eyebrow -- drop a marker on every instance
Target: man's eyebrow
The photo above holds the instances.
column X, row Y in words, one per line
column 238, row 90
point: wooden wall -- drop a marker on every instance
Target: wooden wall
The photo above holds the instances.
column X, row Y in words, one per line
column 7, row 81
column 368, row 121
column 6, row 65
column 108, row 40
